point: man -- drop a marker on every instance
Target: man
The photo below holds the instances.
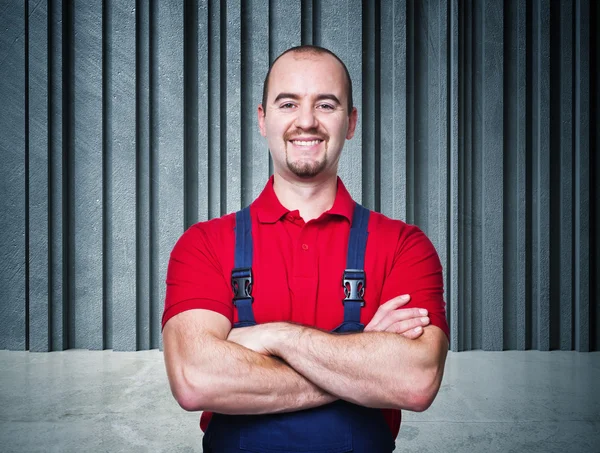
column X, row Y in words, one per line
column 301, row 274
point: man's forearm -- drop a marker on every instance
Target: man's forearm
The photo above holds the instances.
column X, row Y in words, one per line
column 234, row 380
column 375, row 369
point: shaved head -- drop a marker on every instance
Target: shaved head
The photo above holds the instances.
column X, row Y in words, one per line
column 308, row 51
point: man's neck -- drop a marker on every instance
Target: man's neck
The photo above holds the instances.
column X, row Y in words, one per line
column 311, row 198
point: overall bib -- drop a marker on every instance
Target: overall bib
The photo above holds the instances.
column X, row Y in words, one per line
column 337, row 427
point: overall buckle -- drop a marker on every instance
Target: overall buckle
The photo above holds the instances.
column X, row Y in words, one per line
column 354, row 286
column 241, row 282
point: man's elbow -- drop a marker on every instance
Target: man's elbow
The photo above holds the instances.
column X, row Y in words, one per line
column 188, row 393
column 425, row 390
column 188, row 400
column 422, row 402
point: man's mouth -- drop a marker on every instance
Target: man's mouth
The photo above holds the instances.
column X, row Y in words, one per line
column 306, row 143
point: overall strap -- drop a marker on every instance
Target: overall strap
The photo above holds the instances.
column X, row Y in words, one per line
column 354, row 275
column 241, row 275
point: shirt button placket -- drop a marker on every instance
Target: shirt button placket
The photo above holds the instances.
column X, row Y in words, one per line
column 305, row 261
column 306, row 274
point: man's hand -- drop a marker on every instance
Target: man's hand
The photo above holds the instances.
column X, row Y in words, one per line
column 389, row 317
column 249, row 337
column 257, row 338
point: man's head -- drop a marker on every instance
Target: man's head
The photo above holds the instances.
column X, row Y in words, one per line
column 309, row 50
column 307, row 112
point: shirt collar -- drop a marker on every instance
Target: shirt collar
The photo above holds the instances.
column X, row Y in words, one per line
column 270, row 210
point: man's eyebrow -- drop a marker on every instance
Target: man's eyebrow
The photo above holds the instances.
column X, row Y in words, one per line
column 286, row 96
column 320, row 97
column 329, row 97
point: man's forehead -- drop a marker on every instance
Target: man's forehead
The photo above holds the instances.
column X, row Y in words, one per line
column 294, row 64
column 293, row 58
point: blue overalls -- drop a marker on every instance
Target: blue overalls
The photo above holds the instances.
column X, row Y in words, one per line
column 337, row 427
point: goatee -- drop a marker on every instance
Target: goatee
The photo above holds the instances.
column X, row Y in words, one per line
column 306, row 169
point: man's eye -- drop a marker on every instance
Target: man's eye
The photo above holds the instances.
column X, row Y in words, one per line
column 326, row 107
column 287, row 105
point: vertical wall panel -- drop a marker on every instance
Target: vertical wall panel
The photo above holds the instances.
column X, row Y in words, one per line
column 582, row 177
column 492, row 130
column 465, row 138
column 130, row 121
column 215, row 96
column 86, row 160
column 143, row 162
column 410, row 111
column 307, row 34
column 13, row 203
column 57, row 261
column 594, row 150
column 451, row 265
column 423, row 44
column 39, row 329
column 392, row 98
column 232, row 101
column 437, row 121
column 474, row 177
column 193, row 19
column 540, row 146
column 562, row 300
column 108, row 179
column 202, row 120
column 515, row 173
column 370, row 114
column 255, row 64
column 121, row 172
column 285, row 23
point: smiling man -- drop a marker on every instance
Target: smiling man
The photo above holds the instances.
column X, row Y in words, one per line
column 305, row 322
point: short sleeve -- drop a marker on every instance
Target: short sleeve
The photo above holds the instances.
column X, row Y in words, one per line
column 195, row 278
column 416, row 270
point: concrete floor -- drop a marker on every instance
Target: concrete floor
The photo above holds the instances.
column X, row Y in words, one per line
column 108, row 401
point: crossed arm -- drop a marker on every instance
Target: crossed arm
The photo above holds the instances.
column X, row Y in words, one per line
column 281, row 367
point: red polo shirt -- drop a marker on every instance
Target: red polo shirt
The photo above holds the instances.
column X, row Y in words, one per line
column 297, row 268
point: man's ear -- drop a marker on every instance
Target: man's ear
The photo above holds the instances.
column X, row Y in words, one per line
column 353, row 119
column 261, row 120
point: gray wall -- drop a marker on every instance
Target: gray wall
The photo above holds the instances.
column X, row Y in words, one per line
column 123, row 122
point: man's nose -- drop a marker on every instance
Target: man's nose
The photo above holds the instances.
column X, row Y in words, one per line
column 306, row 118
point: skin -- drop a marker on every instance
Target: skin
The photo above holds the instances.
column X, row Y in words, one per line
column 397, row 362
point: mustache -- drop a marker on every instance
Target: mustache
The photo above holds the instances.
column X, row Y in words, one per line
column 299, row 133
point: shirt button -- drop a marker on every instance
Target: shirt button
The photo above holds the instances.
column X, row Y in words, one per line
column 304, row 246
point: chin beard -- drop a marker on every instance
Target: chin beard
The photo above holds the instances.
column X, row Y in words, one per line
column 304, row 169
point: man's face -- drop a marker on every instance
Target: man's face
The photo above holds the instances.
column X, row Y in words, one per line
column 306, row 119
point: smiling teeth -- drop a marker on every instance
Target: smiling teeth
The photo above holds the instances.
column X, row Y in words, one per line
column 306, row 143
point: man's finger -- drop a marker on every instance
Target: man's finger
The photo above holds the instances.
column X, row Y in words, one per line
column 396, row 302
column 388, row 306
column 413, row 334
column 412, row 317
column 401, row 314
column 407, row 325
